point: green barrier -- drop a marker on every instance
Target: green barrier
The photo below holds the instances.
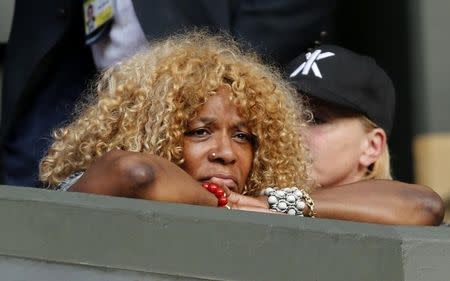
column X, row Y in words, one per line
column 51, row 235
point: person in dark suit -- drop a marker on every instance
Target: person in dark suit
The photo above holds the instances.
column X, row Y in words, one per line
column 46, row 68
column 43, row 81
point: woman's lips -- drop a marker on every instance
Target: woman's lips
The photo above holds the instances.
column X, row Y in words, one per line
column 227, row 181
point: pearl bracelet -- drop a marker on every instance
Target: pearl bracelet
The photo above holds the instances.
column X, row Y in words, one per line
column 290, row 200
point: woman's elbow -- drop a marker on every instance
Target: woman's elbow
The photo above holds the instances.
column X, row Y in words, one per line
column 433, row 208
column 137, row 174
column 430, row 208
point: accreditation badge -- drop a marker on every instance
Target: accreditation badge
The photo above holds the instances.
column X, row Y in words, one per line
column 98, row 17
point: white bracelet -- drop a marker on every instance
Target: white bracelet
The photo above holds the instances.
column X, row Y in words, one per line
column 290, row 200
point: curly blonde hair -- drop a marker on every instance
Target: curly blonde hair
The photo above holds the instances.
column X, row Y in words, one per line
column 144, row 104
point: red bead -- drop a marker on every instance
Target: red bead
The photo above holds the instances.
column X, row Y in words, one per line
column 213, row 188
column 222, row 201
column 219, row 192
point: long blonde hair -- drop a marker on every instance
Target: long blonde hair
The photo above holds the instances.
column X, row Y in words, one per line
column 144, row 104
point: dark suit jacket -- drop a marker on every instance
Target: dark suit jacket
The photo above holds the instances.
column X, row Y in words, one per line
column 278, row 29
column 47, row 65
column 46, row 68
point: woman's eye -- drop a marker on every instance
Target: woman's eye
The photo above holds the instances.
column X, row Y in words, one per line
column 243, row 137
column 200, row 132
column 318, row 121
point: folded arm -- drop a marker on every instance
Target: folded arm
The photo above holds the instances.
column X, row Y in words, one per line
column 139, row 175
column 373, row 201
column 380, row 201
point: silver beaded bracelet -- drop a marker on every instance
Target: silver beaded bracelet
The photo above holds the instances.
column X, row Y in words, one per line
column 290, row 200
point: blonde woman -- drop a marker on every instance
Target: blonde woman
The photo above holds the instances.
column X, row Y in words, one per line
column 352, row 100
column 193, row 119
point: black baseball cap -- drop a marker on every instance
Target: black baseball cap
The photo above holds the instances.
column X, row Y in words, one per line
column 345, row 78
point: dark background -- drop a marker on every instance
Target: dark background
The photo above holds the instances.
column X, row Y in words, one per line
column 381, row 29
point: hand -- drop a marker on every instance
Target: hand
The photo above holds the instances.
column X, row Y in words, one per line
column 247, row 203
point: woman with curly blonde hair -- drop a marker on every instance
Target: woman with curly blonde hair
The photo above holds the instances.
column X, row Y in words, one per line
column 194, row 119
column 145, row 104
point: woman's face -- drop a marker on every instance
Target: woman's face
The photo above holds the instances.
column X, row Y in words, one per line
column 218, row 144
column 336, row 141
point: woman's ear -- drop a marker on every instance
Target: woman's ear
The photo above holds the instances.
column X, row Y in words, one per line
column 374, row 147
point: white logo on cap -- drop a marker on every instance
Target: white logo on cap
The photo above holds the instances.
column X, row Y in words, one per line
column 311, row 63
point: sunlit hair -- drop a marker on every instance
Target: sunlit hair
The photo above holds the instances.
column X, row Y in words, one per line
column 144, row 104
column 381, row 168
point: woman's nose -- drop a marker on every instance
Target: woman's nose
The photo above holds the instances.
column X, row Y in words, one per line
column 223, row 151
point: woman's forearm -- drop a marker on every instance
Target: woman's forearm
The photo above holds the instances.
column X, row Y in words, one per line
column 137, row 175
column 380, row 201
